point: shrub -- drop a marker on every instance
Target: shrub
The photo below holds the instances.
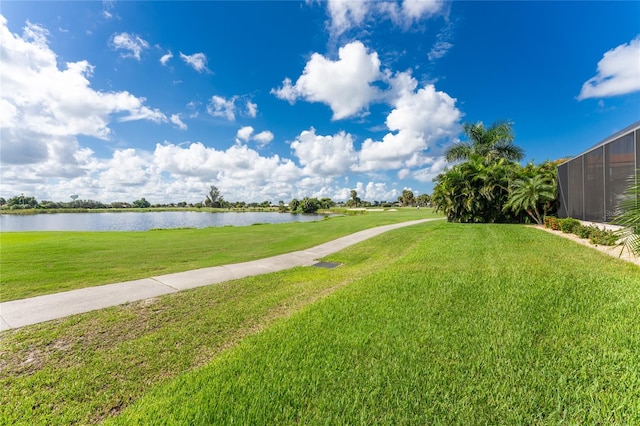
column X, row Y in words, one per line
column 595, row 235
column 568, row 225
column 552, row 222
column 603, row 237
column 583, row 231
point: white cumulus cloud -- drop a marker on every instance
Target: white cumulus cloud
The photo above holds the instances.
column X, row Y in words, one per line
column 166, row 57
column 324, row 155
column 372, row 191
column 287, row 92
column 263, row 138
column 431, row 169
column 240, row 173
column 618, row 73
column 127, row 168
column 45, row 108
column 252, row 109
column 175, row 119
column 229, row 108
column 221, row 107
column 377, row 191
column 419, row 9
column 245, row 133
column 344, row 84
column 132, row 44
column 347, row 14
column 197, row 61
column 419, row 120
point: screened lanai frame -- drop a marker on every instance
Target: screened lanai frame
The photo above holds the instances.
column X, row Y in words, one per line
column 591, row 184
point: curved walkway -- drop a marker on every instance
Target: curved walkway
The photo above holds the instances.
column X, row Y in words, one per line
column 19, row 313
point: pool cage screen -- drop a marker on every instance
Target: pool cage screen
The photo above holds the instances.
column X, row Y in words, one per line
column 591, row 185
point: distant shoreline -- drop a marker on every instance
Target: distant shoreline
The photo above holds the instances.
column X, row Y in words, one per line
column 139, row 210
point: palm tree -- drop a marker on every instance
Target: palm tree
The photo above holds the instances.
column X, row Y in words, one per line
column 293, row 205
column 354, row 197
column 455, row 194
column 630, row 215
column 423, row 200
column 309, row 205
column 407, row 198
column 490, row 144
column 492, row 183
column 528, row 195
column 213, row 198
column 475, row 191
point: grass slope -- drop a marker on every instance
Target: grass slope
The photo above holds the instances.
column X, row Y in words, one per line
column 37, row 263
column 473, row 325
column 86, row 367
column 437, row 323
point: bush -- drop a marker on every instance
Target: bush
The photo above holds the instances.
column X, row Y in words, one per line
column 583, row 231
column 568, row 225
column 552, row 222
column 595, row 235
column 603, row 237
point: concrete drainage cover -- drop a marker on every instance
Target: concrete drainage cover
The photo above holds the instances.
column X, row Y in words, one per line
column 326, row 265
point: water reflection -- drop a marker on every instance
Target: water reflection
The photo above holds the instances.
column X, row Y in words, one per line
column 142, row 221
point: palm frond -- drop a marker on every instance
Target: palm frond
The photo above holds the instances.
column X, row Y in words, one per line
column 630, row 215
column 459, row 151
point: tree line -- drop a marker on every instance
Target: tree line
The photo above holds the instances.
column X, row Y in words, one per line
column 22, row 202
column 214, row 199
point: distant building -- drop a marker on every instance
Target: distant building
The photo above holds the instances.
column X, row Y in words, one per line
column 591, row 184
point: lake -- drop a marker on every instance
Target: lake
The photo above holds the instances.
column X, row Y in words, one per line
column 142, row 221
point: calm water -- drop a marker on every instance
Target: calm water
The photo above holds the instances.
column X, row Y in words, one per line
column 142, row 221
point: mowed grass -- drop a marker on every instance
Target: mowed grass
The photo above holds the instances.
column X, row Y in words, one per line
column 473, row 325
column 37, row 263
column 432, row 324
column 86, row 367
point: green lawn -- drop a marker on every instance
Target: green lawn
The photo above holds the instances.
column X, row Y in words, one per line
column 432, row 324
column 37, row 263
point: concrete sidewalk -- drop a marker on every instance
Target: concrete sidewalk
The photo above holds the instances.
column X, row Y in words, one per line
column 19, row 313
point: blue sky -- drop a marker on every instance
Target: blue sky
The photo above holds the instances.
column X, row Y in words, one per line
column 115, row 101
